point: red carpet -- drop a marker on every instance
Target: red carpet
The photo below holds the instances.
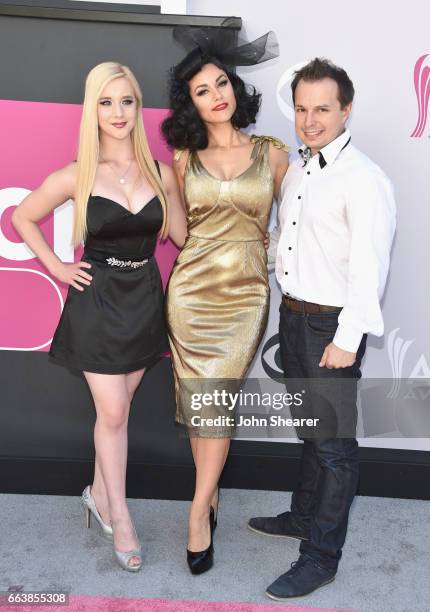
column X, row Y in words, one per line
column 113, row 604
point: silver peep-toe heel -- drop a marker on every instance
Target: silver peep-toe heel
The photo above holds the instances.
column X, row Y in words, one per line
column 124, row 557
column 91, row 509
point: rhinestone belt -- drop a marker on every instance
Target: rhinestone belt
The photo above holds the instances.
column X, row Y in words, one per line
column 122, row 263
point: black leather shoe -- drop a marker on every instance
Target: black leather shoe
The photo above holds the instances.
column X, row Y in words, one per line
column 304, row 577
column 281, row 526
column 202, row 561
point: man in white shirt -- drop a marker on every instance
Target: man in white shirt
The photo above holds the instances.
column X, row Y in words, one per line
column 337, row 221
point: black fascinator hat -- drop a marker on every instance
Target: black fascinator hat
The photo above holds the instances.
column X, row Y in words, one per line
column 184, row 129
column 219, row 43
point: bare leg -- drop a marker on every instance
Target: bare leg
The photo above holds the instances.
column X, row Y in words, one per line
column 209, row 456
column 98, row 489
column 132, row 380
column 112, row 401
column 194, row 441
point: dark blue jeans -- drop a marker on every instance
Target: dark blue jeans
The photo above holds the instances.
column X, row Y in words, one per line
column 328, row 477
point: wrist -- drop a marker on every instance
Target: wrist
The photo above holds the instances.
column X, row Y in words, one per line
column 55, row 267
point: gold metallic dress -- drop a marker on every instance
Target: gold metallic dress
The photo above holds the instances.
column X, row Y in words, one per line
column 218, row 294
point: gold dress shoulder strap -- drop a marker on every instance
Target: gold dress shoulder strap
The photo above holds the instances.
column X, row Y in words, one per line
column 177, row 154
column 262, row 142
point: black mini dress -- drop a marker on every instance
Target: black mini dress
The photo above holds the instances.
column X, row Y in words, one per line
column 116, row 325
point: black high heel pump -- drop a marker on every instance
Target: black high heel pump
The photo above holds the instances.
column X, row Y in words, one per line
column 203, row 560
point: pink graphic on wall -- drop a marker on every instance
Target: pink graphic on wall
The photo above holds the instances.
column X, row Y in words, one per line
column 38, row 138
column 31, row 303
column 422, row 90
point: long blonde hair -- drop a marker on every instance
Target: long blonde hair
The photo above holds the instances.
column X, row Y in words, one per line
column 88, row 152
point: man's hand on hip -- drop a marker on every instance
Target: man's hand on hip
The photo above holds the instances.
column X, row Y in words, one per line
column 335, row 357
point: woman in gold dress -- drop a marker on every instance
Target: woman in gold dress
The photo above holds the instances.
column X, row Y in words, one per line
column 218, row 295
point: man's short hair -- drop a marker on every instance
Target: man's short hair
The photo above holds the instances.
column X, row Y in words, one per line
column 320, row 68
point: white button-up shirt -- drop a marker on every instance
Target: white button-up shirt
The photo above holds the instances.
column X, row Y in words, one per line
column 336, row 226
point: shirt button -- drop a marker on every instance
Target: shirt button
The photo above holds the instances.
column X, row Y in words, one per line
column 289, row 248
column 308, row 172
column 294, row 223
column 299, row 197
column 285, row 273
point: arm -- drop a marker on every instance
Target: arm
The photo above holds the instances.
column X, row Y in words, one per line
column 56, row 189
column 370, row 212
column 177, row 218
column 279, row 161
column 275, row 234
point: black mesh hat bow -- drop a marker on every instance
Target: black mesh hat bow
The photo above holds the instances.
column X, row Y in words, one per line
column 206, row 43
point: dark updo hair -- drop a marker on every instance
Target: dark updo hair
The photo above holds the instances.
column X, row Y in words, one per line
column 184, row 129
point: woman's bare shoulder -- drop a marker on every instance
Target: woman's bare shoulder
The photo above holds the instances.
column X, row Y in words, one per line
column 65, row 177
column 180, row 159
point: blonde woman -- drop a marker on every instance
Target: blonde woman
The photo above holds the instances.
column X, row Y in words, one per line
column 112, row 326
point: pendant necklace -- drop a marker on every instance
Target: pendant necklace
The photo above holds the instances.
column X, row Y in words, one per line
column 121, row 178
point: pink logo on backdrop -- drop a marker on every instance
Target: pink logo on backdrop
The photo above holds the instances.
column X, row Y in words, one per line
column 422, row 90
column 37, row 138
